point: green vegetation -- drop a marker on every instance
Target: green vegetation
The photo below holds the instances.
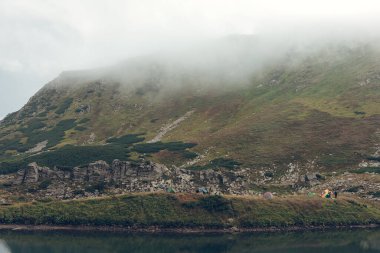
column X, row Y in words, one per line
column 11, row 144
column 80, row 128
column 268, row 174
column 170, row 211
column 34, row 124
column 42, row 114
column 64, row 106
column 99, row 186
column 217, row 163
column 51, row 108
column 355, row 189
column 303, row 211
column 69, row 156
column 44, row 184
column 375, row 170
column 83, row 121
column 35, row 135
column 374, row 158
column 158, row 146
column 213, row 204
column 224, row 163
column 11, row 167
column 126, row 139
column 188, row 154
column 375, row 194
column 53, row 136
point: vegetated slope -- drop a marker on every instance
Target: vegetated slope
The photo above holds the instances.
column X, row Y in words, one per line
column 321, row 109
column 194, row 211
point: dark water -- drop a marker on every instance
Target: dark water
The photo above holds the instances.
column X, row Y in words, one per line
column 354, row 241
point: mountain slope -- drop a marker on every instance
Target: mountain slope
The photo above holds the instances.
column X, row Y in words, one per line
column 318, row 111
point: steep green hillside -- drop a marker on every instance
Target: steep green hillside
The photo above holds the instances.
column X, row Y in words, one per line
column 322, row 108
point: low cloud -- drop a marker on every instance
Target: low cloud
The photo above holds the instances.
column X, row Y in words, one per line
column 41, row 38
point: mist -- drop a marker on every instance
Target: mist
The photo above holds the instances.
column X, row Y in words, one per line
column 226, row 40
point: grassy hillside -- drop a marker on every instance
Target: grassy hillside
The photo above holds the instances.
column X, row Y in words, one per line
column 322, row 108
column 194, row 211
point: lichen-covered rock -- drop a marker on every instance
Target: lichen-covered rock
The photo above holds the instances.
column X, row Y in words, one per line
column 127, row 176
column 32, row 174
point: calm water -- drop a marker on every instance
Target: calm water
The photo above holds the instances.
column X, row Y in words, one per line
column 319, row 242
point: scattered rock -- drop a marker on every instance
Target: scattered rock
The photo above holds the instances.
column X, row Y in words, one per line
column 83, row 109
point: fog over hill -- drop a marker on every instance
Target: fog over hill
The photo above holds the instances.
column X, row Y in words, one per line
column 43, row 39
column 231, row 60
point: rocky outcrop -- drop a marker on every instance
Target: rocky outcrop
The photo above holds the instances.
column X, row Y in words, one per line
column 144, row 176
column 34, row 173
column 124, row 170
column 127, row 176
column 118, row 171
column 31, row 174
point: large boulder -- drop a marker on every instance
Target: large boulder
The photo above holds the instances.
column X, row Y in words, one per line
column 32, row 174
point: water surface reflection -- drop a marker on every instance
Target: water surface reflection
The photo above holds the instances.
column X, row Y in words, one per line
column 312, row 242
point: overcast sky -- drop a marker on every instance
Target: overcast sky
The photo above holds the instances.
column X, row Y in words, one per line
column 41, row 38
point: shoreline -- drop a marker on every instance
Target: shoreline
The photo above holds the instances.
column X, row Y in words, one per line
column 163, row 213
column 156, row 230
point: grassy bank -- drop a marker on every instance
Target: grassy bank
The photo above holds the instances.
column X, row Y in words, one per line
column 191, row 211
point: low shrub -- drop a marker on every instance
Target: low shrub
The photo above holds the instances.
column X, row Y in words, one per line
column 80, row 128
column 78, row 192
column 375, row 194
column 217, row 163
column 213, row 203
column 64, row 106
column 375, row 170
column 127, row 139
column 42, row 114
column 225, row 163
column 84, row 120
column 374, row 158
column 354, row 188
column 99, row 186
column 53, row 136
column 158, row 146
column 69, row 156
column 188, row 154
column 44, row 184
column 320, row 177
column 12, row 167
column 32, row 126
column 268, row 174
